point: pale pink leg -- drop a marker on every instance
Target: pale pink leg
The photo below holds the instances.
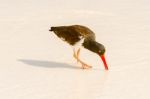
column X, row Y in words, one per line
column 84, row 65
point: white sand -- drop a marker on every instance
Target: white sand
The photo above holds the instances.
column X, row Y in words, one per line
column 35, row 64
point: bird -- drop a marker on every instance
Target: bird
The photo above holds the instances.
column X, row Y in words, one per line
column 80, row 36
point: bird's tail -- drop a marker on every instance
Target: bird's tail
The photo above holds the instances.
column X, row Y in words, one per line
column 57, row 28
column 52, row 29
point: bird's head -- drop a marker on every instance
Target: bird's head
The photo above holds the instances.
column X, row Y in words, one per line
column 96, row 48
column 100, row 49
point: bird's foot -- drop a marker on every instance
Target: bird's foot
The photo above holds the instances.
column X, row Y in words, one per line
column 84, row 65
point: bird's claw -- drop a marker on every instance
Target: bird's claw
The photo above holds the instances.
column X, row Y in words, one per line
column 84, row 65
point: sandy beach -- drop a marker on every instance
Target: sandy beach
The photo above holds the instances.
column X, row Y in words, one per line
column 36, row 64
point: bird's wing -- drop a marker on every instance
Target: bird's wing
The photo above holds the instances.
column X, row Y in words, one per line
column 84, row 31
column 74, row 33
column 67, row 33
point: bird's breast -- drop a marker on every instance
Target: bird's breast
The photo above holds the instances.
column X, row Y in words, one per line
column 79, row 43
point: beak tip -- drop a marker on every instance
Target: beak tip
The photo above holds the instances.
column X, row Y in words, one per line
column 106, row 68
column 104, row 61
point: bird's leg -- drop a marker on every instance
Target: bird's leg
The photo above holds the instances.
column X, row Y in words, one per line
column 78, row 52
column 76, row 56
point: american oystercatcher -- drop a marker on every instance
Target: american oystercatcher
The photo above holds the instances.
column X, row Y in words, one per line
column 81, row 36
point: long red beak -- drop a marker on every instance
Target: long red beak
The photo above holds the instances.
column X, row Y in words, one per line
column 104, row 61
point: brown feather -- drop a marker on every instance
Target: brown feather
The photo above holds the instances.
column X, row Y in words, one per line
column 73, row 33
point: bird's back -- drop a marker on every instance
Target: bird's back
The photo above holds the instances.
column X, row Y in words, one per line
column 73, row 33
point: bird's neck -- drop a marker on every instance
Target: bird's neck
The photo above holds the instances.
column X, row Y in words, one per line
column 90, row 45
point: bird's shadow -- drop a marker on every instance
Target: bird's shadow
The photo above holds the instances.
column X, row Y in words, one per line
column 47, row 64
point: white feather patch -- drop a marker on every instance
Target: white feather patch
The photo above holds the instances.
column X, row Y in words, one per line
column 79, row 43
